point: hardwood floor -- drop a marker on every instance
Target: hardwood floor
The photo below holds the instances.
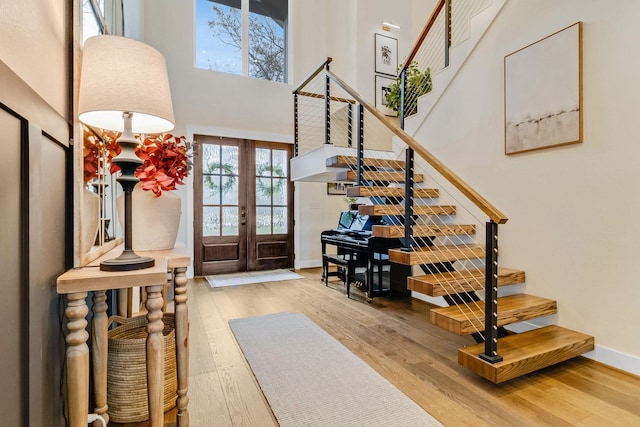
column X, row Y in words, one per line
column 396, row 338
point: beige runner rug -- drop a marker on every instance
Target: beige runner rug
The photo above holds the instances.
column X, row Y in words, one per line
column 310, row 379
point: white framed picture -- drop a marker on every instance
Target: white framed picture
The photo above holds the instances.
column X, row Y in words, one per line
column 386, row 55
column 382, row 87
column 543, row 93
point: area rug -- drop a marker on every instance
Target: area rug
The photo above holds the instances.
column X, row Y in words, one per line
column 310, row 379
column 237, row 279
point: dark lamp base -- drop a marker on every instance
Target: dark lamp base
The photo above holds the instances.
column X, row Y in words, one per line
column 127, row 261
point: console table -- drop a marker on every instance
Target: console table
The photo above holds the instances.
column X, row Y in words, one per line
column 75, row 284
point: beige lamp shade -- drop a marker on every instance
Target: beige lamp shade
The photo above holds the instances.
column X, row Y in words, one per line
column 124, row 75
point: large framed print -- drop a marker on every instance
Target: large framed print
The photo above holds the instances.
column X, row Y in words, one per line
column 383, row 86
column 386, row 55
column 543, row 93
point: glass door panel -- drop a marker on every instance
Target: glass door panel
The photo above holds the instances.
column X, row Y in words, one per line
column 221, row 232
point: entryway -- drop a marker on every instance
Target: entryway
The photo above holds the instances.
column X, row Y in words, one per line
column 243, row 205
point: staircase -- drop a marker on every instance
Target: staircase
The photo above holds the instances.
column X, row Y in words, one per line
column 522, row 353
column 396, row 173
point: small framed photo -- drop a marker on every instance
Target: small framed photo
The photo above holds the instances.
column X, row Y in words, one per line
column 338, row 188
column 386, row 55
column 383, row 86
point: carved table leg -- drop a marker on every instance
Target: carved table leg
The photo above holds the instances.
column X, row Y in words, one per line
column 77, row 358
column 99, row 348
column 155, row 355
column 182, row 345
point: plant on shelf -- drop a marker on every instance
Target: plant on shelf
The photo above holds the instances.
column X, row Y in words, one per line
column 417, row 83
column 166, row 162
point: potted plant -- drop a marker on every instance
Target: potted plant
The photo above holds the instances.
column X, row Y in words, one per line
column 156, row 207
column 417, row 83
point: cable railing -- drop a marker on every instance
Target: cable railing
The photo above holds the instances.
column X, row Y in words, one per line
column 447, row 26
column 378, row 155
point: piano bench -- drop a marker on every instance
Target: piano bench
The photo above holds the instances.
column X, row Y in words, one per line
column 346, row 268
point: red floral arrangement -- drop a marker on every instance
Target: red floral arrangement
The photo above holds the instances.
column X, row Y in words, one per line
column 99, row 148
column 166, row 162
column 165, row 159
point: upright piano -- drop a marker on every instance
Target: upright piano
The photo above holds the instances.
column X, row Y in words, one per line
column 357, row 248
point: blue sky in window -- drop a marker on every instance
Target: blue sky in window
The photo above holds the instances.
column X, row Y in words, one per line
column 211, row 53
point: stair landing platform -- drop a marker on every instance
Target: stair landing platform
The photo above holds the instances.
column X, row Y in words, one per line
column 527, row 352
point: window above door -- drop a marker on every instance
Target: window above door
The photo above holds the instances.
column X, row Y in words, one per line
column 243, row 37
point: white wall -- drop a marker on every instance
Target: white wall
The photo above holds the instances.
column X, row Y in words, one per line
column 573, row 210
column 33, row 34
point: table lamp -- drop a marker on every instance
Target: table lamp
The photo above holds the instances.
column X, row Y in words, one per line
column 124, row 87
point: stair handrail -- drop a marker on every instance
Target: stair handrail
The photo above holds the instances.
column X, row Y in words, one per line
column 423, row 35
column 478, row 200
column 312, row 75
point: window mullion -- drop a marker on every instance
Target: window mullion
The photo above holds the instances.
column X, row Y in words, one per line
column 245, row 37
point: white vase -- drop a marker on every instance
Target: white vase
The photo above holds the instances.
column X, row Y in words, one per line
column 90, row 220
column 155, row 219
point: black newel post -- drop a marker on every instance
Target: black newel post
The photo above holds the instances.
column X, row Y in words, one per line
column 491, row 296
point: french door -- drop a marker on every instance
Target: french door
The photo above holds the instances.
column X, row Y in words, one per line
column 243, row 205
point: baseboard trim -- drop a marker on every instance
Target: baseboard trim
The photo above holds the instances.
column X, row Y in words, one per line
column 308, row 264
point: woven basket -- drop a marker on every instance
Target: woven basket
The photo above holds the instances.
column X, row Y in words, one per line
column 127, row 368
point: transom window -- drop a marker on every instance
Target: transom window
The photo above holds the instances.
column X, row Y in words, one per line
column 244, row 37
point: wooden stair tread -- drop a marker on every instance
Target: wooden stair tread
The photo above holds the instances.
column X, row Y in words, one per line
column 434, row 254
column 381, row 210
column 381, row 176
column 373, row 191
column 397, row 231
column 440, row 284
column 352, row 161
column 469, row 318
column 527, row 352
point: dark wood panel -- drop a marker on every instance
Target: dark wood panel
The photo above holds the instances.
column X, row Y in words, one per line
column 273, row 249
column 14, row 301
column 221, row 252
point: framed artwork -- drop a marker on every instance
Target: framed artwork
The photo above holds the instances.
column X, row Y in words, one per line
column 543, row 93
column 338, row 188
column 383, row 86
column 386, row 55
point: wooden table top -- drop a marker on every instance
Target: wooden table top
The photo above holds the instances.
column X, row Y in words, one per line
column 90, row 278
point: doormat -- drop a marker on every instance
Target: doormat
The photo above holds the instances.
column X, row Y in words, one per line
column 310, row 379
column 237, row 279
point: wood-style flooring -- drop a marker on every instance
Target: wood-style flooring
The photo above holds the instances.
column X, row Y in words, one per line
column 395, row 337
